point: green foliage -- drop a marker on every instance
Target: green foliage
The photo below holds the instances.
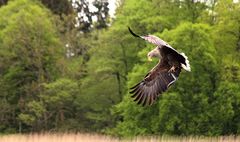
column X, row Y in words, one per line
column 59, row 6
column 30, row 56
column 179, row 111
column 58, row 98
column 3, row 2
column 192, row 105
column 54, row 77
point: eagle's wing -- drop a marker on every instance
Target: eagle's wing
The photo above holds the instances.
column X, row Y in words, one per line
column 183, row 59
column 152, row 39
column 155, row 83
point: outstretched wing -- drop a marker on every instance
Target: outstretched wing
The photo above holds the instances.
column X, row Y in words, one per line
column 183, row 59
column 155, row 83
column 151, row 38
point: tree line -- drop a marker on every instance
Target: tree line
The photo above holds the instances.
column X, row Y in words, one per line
column 60, row 70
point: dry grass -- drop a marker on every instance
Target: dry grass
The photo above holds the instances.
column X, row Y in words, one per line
column 102, row 138
column 57, row 138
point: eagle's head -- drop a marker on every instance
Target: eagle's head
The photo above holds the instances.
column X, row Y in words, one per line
column 154, row 53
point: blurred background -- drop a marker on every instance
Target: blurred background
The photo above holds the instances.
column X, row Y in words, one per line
column 67, row 66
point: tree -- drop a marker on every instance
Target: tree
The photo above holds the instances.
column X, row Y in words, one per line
column 3, row 2
column 85, row 16
column 181, row 108
column 58, row 98
column 31, row 50
column 59, row 6
column 64, row 67
column 227, row 29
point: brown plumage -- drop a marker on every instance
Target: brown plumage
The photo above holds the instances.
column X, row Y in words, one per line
column 163, row 75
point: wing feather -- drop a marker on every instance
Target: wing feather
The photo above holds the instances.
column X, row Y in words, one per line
column 155, row 83
column 150, row 38
column 139, row 96
column 159, row 42
column 158, row 80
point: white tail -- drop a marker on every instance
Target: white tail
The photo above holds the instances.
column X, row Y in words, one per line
column 187, row 66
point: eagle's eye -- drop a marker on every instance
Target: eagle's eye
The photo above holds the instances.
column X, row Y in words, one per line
column 149, row 55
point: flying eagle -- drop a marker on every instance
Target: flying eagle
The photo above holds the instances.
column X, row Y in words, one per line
column 163, row 75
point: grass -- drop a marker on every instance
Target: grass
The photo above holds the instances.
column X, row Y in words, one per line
column 70, row 137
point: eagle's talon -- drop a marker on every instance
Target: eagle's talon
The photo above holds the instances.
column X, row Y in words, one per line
column 172, row 69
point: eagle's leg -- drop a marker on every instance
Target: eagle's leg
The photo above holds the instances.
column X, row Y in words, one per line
column 173, row 63
column 172, row 69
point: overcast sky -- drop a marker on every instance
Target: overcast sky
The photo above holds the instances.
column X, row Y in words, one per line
column 111, row 6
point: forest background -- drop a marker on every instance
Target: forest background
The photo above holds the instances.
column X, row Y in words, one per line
column 65, row 68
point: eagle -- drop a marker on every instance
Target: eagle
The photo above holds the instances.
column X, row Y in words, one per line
column 163, row 75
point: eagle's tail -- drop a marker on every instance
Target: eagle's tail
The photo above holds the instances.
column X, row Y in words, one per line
column 186, row 66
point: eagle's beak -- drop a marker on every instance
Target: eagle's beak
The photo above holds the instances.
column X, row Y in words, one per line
column 149, row 58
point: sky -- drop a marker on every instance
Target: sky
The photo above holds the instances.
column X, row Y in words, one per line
column 235, row 1
column 111, row 6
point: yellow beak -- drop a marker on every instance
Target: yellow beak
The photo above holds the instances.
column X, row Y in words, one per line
column 149, row 58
